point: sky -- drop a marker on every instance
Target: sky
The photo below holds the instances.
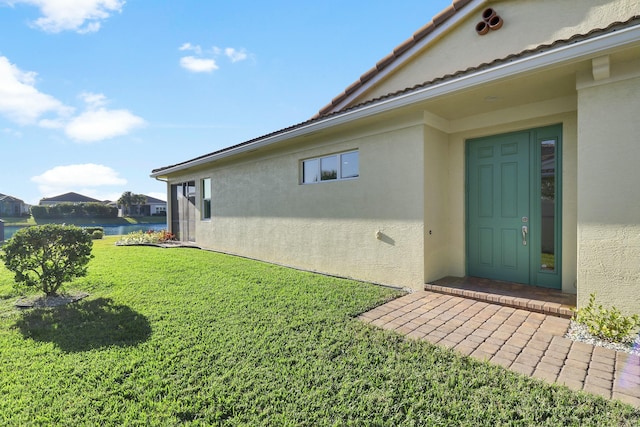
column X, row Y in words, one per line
column 95, row 94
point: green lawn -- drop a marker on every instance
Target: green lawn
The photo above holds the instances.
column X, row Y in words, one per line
column 183, row 336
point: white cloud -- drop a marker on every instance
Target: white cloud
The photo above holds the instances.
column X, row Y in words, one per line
column 194, row 48
column 198, row 65
column 12, row 132
column 20, row 101
column 100, row 124
column 82, row 16
column 235, row 55
column 93, row 100
column 207, row 62
column 83, row 178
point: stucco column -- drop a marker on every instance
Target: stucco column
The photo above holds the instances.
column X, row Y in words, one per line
column 609, row 190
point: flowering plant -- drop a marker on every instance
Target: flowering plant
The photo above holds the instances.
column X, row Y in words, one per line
column 148, row 237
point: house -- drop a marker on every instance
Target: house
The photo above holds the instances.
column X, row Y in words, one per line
column 500, row 140
column 151, row 207
column 154, row 207
column 12, row 206
column 71, row 197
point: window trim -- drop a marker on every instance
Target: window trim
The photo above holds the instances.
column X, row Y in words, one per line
column 318, row 160
column 203, row 200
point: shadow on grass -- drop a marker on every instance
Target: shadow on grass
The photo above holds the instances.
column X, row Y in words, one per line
column 86, row 325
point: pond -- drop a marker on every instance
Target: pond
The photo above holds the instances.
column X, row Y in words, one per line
column 109, row 230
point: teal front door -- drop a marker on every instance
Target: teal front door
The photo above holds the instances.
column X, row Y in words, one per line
column 513, row 225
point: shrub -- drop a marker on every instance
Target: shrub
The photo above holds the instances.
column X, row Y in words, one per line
column 45, row 257
column 74, row 210
column 91, row 230
column 608, row 324
column 97, row 234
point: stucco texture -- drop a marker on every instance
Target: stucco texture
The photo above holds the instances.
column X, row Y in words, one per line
column 609, row 194
column 261, row 210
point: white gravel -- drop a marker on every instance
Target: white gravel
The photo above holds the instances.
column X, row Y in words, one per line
column 579, row 332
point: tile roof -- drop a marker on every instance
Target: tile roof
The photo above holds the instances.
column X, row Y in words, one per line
column 70, row 197
column 4, row 197
column 423, row 32
column 154, row 200
column 633, row 21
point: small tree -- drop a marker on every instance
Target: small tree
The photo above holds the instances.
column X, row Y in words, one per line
column 126, row 200
column 129, row 199
column 45, row 257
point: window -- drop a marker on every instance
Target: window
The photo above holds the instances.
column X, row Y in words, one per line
column 206, row 198
column 330, row 168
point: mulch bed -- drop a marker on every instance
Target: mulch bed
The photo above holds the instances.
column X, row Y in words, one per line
column 54, row 301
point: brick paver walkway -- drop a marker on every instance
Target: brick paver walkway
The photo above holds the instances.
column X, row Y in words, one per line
column 526, row 342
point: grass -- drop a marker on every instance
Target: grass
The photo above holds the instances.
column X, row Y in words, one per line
column 23, row 222
column 189, row 337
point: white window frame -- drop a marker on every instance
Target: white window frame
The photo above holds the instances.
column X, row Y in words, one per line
column 318, row 160
column 203, row 200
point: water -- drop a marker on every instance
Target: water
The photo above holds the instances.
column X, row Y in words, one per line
column 109, row 230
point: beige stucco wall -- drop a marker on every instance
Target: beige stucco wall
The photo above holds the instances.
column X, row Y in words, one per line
column 411, row 188
column 436, row 215
column 527, row 24
column 260, row 209
column 609, row 191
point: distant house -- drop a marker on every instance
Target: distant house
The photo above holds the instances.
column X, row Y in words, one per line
column 67, row 198
column 154, row 207
column 499, row 141
column 12, row 206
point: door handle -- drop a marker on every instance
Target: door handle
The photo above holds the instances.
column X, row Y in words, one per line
column 525, row 230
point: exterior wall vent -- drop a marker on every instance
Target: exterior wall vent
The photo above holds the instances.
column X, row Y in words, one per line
column 490, row 21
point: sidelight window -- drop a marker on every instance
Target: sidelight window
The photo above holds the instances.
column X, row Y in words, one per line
column 206, row 198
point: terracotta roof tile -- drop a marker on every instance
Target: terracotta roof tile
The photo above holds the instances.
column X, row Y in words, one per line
column 404, row 46
column 459, row 4
column 368, row 75
column 634, row 21
column 444, row 15
column 422, row 32
column 386, row 61
column 352, row 88
column 427, row 29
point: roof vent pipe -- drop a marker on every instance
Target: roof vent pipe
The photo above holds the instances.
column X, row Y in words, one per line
column 482, row 28
column 488, row 14
column 495, row 23
column 490, row 21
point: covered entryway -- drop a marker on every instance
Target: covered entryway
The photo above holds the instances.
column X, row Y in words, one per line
column 183, row 211
column 513, row 207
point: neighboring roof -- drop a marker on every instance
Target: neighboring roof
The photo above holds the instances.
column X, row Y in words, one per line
column 403, row 47
column 70, row 198
column 153, row 200
column 614, row 27
column 5, row 198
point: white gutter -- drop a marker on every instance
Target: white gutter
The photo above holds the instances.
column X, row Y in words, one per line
column 557, row 56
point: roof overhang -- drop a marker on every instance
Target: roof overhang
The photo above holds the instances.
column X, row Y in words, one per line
column 555, row 56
